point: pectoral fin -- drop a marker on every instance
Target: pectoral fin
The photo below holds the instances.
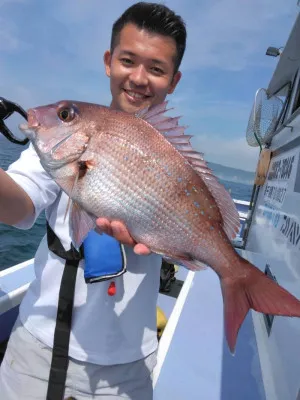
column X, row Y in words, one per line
column 81, row 222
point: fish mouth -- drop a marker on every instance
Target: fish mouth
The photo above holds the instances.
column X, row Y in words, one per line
column 29, row 128
column 30, row 133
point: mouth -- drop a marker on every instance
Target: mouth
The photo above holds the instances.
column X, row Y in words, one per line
column 29, row 128
column 135, row 97
column 28, row 132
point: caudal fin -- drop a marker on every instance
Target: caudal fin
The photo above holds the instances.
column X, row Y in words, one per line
column 255, row 290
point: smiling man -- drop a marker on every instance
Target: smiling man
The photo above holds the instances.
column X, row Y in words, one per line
column 142, row 65
column 104, row 345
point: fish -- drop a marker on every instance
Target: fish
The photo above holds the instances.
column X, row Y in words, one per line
column 142, row 169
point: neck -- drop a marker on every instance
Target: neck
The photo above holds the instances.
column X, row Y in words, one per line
column 113, row 106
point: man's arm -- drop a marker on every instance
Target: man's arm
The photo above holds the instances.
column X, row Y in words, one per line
column 15, row 204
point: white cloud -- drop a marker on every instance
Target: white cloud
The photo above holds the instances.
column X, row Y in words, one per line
column 230, row 111
column 90, row 23
column 2, row 2
column 223, row 146
column 9, row 40
column 227, row 151
column 22, row 95
column 226, row 34
column 222, row 34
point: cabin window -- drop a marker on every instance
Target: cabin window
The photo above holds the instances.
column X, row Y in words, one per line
column 284, row 96
column 295, row 96
column 296, row 104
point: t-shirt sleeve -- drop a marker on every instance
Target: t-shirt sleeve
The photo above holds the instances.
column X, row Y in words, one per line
column 28, row 172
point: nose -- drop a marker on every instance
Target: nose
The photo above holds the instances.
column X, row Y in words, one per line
column 32, row 119
column 139, row 76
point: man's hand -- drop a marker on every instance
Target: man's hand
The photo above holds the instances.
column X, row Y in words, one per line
column 119, row 231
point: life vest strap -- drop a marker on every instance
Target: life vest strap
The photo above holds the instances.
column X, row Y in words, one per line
column 60, row 353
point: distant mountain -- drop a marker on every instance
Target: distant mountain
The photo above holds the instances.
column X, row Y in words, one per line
column 232, row 174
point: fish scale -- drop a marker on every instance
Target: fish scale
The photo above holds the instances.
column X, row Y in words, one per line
column 131, row 196
column 112, row 152
column 142, row 170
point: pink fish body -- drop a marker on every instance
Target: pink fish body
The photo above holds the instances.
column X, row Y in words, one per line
column 142, row 170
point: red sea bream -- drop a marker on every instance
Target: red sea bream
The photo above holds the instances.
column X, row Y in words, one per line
column 142, row 170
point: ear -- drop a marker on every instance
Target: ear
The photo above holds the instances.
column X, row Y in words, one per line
column 175, row 80
column 107, row 62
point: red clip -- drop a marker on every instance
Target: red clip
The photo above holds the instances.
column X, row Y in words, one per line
column 111, row 289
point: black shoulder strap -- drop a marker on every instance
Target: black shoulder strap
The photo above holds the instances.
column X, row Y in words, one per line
column 60, row 355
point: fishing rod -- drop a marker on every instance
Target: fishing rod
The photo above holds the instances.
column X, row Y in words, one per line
column 7, row 108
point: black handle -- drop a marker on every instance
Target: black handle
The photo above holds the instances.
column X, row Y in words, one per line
column 7, row 108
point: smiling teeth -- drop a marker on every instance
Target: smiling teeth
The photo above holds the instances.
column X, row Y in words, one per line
column 136, row 95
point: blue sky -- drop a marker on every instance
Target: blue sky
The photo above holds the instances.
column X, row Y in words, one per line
column 52, row 50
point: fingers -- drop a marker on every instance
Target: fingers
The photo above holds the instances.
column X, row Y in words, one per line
column 119, row 231
column 103, row 226
column 116, row 229
column 141, row 250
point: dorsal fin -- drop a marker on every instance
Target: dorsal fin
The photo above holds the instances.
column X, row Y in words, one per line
column 175, row 134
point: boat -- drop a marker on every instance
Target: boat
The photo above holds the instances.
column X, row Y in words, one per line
column 194, row 361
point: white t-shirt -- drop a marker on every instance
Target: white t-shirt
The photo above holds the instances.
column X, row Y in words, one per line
column 105, row 329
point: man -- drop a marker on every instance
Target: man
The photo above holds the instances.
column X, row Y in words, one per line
column 113, row 339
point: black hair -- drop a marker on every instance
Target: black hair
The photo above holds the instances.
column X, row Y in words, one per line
column 155, row 18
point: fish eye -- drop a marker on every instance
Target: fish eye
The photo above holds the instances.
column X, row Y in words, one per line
column 66, row 114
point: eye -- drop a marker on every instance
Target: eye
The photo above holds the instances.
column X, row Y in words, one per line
column 157, row 71
column 66, row 114
column 126, row 61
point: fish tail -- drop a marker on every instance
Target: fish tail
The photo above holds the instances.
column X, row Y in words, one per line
column 253, row 289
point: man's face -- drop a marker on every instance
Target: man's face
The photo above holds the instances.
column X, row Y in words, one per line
column 141, row 69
